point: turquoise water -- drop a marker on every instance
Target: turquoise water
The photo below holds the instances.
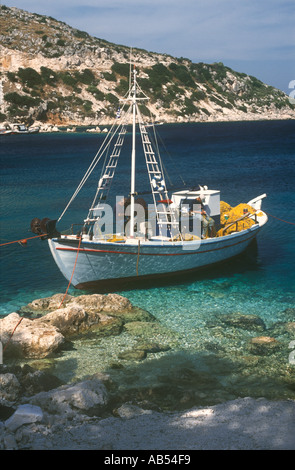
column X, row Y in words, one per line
column 208, row 361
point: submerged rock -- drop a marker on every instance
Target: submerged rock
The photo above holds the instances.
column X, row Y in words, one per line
column 290, row 327
column 263, row 345
column 140, row 351
column 244, row 321
column 133, row 355
column 282, row 328
column 145, row 329
column 134, row 315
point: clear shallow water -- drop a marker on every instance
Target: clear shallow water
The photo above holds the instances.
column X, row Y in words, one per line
column 38, row 176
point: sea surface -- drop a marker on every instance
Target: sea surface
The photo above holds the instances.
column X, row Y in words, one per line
column 209, row 361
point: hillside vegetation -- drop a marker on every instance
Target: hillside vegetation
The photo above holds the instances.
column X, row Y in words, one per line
column 53, row 73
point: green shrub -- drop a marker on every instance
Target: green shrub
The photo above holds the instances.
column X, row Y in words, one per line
column 205, row 111
column 81, row 34
column 48, row 75
column 111, row 77
column 68, row 79
column 87, row 105
column 29, row 77
column 12, row 77
column 99, row 96
column 21, row 100
column 87, row 77
column 220, row 70
column 189, row 107
column 182, row 74
column 122, row 88
column 202, row 72
column 121, row 69
column 159, row 75
column 61, row 42
column 112, row 98
column 198, row 95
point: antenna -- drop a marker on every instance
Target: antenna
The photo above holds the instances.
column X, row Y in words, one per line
column 130, row 66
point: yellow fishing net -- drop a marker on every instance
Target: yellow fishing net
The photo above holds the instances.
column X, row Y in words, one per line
column 230, row 214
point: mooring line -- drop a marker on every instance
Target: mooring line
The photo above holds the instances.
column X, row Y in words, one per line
column 282, row 220
column 80, row 239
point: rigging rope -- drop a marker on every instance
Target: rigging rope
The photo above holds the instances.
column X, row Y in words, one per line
column 93, row 164
column 121, row 127
column 80, row 239
column 23, row 240
column 4, row 349
column 282, row 220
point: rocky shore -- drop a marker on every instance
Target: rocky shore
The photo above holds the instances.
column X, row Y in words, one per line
column 38, row 410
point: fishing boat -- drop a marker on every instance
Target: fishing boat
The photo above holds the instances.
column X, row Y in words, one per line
column 142, row 241
column 23, row 129
column 4, row 130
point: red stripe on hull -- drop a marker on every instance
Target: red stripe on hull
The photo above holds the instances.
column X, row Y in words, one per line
column 186, row 252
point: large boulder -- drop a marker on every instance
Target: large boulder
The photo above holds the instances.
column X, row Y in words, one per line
column 91, row 303
column 74, row 319
column 89, row 397
column 30, row 338
column 25, row 414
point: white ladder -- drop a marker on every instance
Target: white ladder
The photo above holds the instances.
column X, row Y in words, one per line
column 106, row 176
column 164, row 215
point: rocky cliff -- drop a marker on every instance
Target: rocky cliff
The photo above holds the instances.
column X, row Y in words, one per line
column 53, row 73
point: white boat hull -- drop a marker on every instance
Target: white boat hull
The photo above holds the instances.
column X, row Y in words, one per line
column 100, row 262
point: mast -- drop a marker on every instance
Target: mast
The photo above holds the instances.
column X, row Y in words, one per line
column 133, row 155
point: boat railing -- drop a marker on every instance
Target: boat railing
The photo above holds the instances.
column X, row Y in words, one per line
column 248, row 215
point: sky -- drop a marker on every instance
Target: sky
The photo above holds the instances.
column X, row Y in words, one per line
column 256, row 37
